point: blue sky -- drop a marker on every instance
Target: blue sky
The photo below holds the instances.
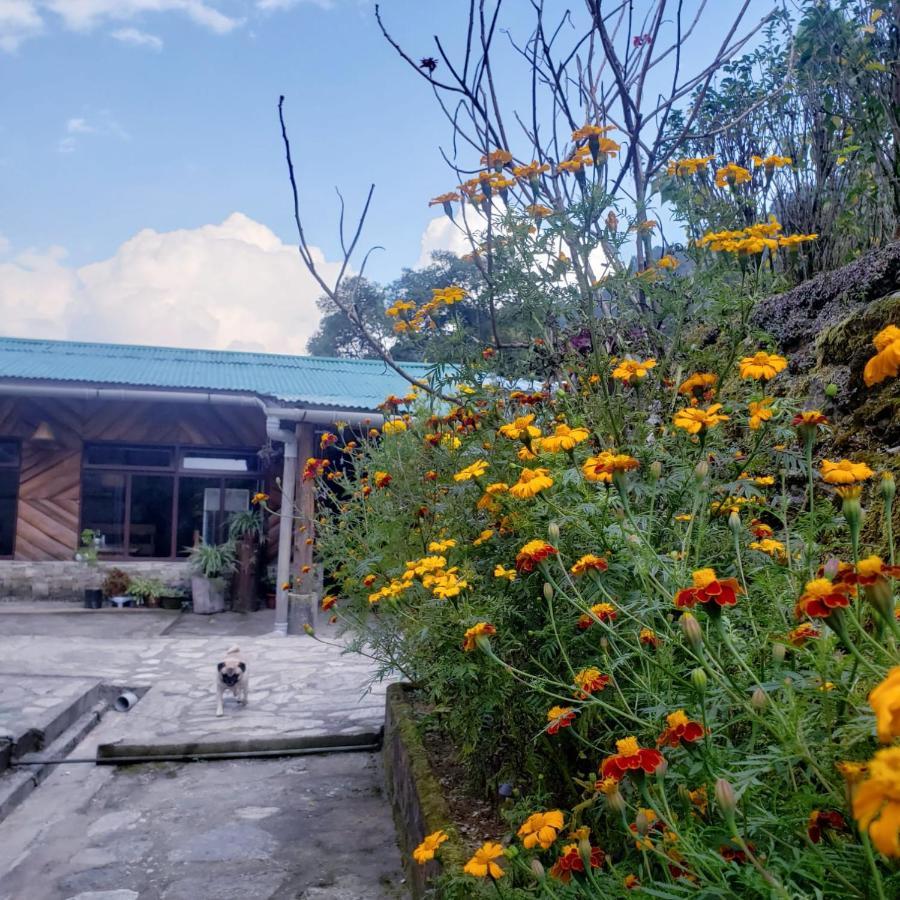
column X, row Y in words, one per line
column 143, row 192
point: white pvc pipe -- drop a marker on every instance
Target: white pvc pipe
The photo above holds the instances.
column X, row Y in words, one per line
column 285, row 531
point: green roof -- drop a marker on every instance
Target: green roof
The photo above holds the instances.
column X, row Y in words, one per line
column 297, row 380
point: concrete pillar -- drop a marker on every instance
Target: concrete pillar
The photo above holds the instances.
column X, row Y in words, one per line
column 306, row 511
column 285, row 532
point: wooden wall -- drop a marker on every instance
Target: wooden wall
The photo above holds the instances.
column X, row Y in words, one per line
column 48, row 520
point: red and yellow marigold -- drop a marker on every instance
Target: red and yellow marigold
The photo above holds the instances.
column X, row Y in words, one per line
column 532, row 554
column 680, row 730
column 708, row 588
column 630, row 757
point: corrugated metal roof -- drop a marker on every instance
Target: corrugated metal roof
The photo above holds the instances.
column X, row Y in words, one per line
column 301, row 380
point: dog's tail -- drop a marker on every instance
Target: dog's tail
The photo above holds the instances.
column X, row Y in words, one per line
column 233, row 650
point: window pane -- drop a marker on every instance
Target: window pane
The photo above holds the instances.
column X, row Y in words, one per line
column 195, row 523
column 133, row 457
column 150, row 533
column 103, row 509
column 9, row 484
column 9, row 453
column 219, row 461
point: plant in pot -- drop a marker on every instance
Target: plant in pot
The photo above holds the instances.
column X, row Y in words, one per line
column 245, row 532
column 87, row 554
column 212, row 564
column 115, row 587
column 172, row 598
column 147, row 591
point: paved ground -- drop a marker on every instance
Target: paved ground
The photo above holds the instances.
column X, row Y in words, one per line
column 304, row 828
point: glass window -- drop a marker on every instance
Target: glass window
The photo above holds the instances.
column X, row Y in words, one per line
column 150, row 523
column 129, row 457
column 9, row 453
column 219, row 461
column 9, row 488
column 103, row 509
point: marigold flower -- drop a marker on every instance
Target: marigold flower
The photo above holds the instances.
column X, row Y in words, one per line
column 809, row 417
column 709, row 588
column 483, row 537
column 730, row 853
column 886, row 362
column 589, row 562
column 539, row 211
column 475, row 470
column 559, row 717
column 481, row 630
column 630, row 757
column 501, row 572
column 649, row 638
column 443, row 199
column 399, row 306
column 770, row 547
column 328, row 602
column 496, row 158
column 771, row 162
column 600, row 612
column 382, row 479
column 821, row 820
column 531, row 482
column 531, row 171
column 689, row 165
column 699, row 382
column 680, row 730
column 804, row 632
column 482, row 864
column 314, row 468
column 541, row 829
column 762, row 366
column 441, row 546
column 844, row 472
column 564, row 438
column 760, row 411
column 667, row 262
column 876, row 803
column 369, row 580
column 520, row 428
column 590, row 681
column 427, row 849
column 821, row 597
column 732, row 174
column 532, row 554
column 885, row 702
column 694, row 418
column 258, row 498
column 570, row 861
column 631, row 882
column 631, row 370
column 607, row 464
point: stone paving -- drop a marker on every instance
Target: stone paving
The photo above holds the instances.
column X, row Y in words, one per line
column 36, row 702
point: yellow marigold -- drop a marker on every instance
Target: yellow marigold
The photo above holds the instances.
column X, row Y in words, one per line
column 689, row 165
column 589, row 562
column 762, row 366
column 476, row 470
column 844, row 472
column 876, row 803
column 481, row 630
column 732, row 174
column 564, row 438
column 443, row 199
column 427, row 849
column 770, row 547
column 501, row 572
column 886, row 362
column 531, row 171
column 520, row 428
column 606, row 464
column 699, row 382
column 770, row 163
column 760, row 411
column 425, row 566
column 444, row 585
column 631, row 370
column 667, row 262
column 485, row 535
column 394, row 426
column 482, row 864
column 885, row 702
column 441, row 546
column 496, row 158
column 541, row 829
column 530, row 483
column 399, row 306
column 694, row 418
column 539, row 211
column 591, row 131
column 498, row 487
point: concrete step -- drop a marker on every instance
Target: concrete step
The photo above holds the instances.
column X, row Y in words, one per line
column 19, row 780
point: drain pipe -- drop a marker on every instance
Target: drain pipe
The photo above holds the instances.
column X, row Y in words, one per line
column 286, row 526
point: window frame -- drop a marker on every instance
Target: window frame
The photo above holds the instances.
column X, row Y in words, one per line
column 17, row 468
column 176, row 472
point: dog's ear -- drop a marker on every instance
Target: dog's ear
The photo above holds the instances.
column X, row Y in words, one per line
column 242, row 666
column 221, row 666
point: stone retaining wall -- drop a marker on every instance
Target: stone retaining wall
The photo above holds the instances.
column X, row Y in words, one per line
column 67, row 580
column 415, row 793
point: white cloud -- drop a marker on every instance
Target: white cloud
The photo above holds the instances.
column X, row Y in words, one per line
column 137, row 38
column 79, row 126
column 19, row 19
column 102, row 123
column 233, row 285
column 4, row 245
column 442, row 234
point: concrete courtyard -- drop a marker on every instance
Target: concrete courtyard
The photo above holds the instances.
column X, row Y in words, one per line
column 311, row 827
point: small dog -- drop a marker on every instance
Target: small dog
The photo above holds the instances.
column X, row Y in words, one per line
column 232, row 676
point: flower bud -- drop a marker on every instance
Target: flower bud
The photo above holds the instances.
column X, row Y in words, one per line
column 684, row 795
column 888, row 487
column 759, row 699
column 615, row 801
column 619, row 513
column 584, row 851
column 692, row 631
column 778, row 652
column 734, row 522
column 661, row 770
column 604, row 643
column 511, row 852
column 699, row 680
column 548, row 591
column 553, row 531
column 642, row 823
column 655, row 470
column 538, row 870
column 701, row 470
column 830, row 569
column 831, row 390
column 725, row 798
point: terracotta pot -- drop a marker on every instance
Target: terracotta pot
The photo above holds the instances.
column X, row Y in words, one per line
column 270, row 601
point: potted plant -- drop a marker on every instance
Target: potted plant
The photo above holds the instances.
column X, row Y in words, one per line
column 245, row 531
column 211, row 563
column 115, row 587
column 87, row 554
column 147, row 591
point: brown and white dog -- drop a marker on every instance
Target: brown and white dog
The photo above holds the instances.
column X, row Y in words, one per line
column 232, row 676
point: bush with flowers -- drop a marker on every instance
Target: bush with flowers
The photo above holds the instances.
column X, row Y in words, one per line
column 618, row 558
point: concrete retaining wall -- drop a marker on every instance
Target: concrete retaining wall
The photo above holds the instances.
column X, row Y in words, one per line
column 59, row 580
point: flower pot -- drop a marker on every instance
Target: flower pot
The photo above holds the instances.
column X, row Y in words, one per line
column 93, row 598
column 271, row 601
column 152, row 603
column 208, row 595
column 171, row 602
